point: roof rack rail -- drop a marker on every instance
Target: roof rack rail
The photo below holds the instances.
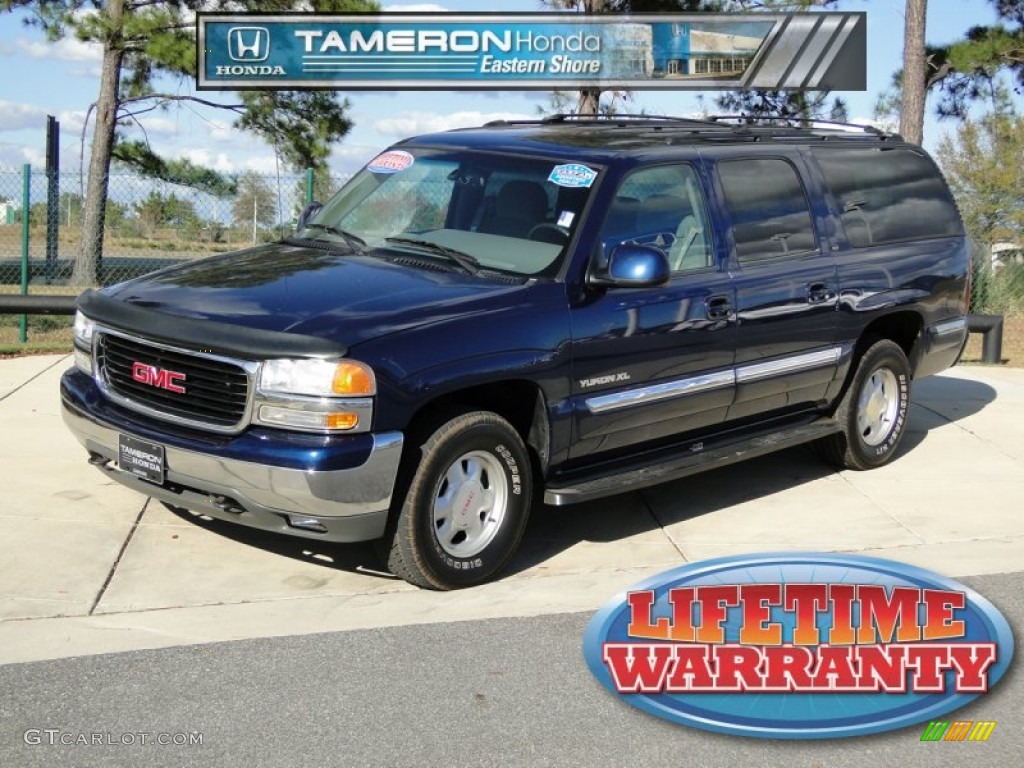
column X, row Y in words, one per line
column 803, row 121
column 603, row 119
column 716, row 127
column 562, row 117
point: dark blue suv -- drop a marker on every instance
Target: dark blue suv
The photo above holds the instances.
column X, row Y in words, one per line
column 561, row 309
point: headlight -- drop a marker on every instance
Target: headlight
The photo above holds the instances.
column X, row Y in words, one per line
column 318, row 378
column 316, row 395
column 84, row 329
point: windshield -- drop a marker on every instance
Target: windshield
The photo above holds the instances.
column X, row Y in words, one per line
column 493, row 212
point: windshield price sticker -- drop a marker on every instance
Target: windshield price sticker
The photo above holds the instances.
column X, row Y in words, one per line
column 390, row 162
column 572, row 175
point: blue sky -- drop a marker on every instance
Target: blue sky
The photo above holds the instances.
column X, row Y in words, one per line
column 61, row 78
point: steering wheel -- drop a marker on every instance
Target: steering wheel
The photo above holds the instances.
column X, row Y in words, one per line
column 549, row 233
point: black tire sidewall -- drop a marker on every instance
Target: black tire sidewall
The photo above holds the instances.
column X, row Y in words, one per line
column 503, row 443
column 882, row 356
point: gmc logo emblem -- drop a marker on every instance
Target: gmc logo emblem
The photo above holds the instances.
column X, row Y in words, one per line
column 158, row 377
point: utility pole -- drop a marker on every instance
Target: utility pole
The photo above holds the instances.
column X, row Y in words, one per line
column 254, row 203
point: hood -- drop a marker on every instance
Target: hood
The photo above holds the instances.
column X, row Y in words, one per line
column 346, row 297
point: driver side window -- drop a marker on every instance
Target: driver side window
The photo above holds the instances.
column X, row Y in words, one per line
column 663, row 207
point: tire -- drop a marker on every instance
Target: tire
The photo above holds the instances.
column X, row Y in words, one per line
column 873, row 411
column 466, row 505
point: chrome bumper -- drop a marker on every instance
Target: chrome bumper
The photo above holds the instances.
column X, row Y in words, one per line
column 340, row 505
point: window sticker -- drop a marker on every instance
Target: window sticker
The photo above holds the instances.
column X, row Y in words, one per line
column 565, row 218
column 572, row 175
column 392, row 161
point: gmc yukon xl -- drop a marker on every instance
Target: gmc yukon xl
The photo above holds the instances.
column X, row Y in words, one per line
column 555, row 310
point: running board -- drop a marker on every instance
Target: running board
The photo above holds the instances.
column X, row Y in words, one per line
column 690, row 463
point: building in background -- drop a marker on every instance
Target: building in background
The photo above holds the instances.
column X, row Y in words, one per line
column 1006, row 253
column 630, row 53
column 8, row 212
column 688, row 50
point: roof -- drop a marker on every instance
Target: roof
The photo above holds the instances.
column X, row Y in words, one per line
column 604, row 137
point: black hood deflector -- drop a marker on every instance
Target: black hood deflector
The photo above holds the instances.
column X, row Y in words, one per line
column 149, row 322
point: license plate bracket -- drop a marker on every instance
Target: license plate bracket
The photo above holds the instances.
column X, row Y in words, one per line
column 142, row 458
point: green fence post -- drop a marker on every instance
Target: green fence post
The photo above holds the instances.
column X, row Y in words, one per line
column 26, row 172
column 309, row 186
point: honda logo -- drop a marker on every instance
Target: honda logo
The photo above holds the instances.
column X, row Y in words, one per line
column 248, row 43
column 161, row 378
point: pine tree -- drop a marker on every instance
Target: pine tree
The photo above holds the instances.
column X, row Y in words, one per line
column 143, row 40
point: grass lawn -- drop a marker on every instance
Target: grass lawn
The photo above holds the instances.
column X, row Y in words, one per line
column 47, row 334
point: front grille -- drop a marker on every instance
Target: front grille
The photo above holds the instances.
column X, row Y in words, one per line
column 216, row 391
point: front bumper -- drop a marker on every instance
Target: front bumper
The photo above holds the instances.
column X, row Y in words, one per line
column 296, row 490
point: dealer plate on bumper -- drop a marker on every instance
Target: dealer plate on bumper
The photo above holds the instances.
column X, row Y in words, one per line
column 141, row 457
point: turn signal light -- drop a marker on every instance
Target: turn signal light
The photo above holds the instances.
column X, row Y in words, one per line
column 352, row 379
column 342, row 420
column 283, row 416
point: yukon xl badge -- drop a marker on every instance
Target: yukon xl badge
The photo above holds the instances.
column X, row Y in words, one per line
column 597, row 381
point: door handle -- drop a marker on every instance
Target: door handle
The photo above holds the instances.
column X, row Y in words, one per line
column 718, row 307
column 817, row 293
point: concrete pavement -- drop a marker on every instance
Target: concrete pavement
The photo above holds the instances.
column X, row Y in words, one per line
column 88, row 567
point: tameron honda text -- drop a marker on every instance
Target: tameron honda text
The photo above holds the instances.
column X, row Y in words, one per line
column 483, row 50
column 799, row 646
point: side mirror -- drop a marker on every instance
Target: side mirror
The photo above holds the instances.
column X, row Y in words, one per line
column 311, row 210
column 633, row 266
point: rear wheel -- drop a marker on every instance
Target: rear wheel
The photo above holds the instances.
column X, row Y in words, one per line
column 466, row 506
column 873, row 411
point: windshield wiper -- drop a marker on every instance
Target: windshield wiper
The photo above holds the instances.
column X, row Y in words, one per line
column 464, row 260
column 354, row 241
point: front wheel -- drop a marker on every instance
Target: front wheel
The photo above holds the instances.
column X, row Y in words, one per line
column 873, row 412
column 466, row 506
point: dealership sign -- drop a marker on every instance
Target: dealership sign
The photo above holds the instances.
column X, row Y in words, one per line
column 799, row 646
column 823, row 51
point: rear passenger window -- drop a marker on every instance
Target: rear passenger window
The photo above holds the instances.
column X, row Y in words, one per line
column 769, row 210
column 888, row 195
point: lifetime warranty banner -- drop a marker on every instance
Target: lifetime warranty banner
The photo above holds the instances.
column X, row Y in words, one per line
column 813, row 51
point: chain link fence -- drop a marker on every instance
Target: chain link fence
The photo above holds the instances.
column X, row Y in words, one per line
column 149, row 223
column 998, row 281
column 998, row 289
